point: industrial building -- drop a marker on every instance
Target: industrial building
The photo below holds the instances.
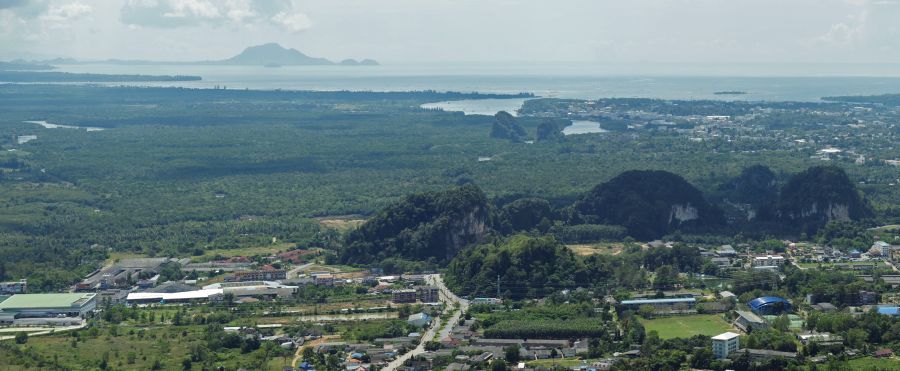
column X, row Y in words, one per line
column 196, row 296
column 258, row 275
column 255, row 289
column 123, row 274
column 49, row 305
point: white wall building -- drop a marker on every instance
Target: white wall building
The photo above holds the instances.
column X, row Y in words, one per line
column 768, row 261
column 725, row 344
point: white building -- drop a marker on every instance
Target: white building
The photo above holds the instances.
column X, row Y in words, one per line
column 768, row 261
column 725, row 344
column 254, row 289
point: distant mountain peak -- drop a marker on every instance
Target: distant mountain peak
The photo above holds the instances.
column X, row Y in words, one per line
column 275, row 54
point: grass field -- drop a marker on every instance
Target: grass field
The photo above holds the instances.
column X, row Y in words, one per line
column 870, row 363
column 596, row 248
column 687, row 326
column 549, row 363
column 245, row 251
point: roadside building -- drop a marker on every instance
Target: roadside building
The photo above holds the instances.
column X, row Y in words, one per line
column 258, row 275
column 49, row 305
column 726, row 250
column 324, row 279
column 15, row 287
column 428, row 294
column 486, row 301
column 725, row 344
column 403, row 296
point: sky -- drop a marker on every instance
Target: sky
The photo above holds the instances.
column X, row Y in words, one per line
column 413, row 31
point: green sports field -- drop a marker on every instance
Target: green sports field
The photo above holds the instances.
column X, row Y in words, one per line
column 687, row 326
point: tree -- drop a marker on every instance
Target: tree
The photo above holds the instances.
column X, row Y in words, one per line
column 782, row 323
column 511, row 354
column 21, row 337
column 702, row 358
column 498, row 365
column 646, row 311
column 666, row 276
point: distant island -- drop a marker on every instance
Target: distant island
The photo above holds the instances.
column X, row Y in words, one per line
column 730, row 92
column 270, row 55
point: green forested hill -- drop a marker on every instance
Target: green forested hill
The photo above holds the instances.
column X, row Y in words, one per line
column 818, row 195
column 431, row 226
column 527, row 267
column 648, row 203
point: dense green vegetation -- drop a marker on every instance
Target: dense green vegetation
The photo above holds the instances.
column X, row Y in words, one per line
column 527, row 266
column 184, row 171
column 431, row 227
column 647, row 203
column 506, row 127
column 820, row 194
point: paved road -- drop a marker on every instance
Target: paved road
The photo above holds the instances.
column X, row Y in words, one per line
column 449, row 300
column 43, row 331
column 294, row 272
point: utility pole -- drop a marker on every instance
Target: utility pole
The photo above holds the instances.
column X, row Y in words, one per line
column 498, row 286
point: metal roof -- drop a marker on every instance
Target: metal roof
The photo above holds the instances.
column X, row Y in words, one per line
column 725, row 336
column 760, row 301
column 187, row 295
column 658, row 301
column 31, row 301
column 891, row 311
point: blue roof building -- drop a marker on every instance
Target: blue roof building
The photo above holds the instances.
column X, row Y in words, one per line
column 769, row 306
column 889, row 310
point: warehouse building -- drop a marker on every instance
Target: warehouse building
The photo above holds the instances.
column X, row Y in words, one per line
column 255, row 289
column 196, row 296
column 49, row 305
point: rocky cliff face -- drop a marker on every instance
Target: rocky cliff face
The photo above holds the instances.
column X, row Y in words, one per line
column 466, row 231
column 683, row 213
column 648, row 203
column 432, row 226
column 819, row 195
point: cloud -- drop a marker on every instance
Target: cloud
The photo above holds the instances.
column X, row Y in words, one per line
column 65, row 12
column 295, row 22
column 217, row 13
column 6, row 4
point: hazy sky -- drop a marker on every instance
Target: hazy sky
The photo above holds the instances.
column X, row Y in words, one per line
column 615, row 31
